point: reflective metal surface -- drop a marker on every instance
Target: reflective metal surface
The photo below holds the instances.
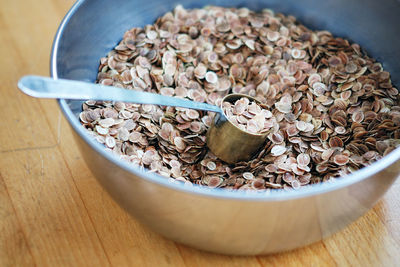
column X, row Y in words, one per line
column 214, row 219
column 44, row 87
column 230, row 143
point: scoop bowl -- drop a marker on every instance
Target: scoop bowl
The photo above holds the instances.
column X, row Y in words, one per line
column 230, row 143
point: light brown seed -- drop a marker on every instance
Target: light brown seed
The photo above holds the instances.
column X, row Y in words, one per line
column 340, row 130
column 248, row 175
column 358, row 116
column 215, row 181
column 278, row 150
column 341, row 159
column 179, row 143
column 335, row 142
column 303, row 159
column 211, row 165
column 192, row 114
column 200, row 71
column 110, row 141
column 211, row 77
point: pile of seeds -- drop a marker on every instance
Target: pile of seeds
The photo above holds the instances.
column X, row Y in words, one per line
column 336, row 109
column 248, row 116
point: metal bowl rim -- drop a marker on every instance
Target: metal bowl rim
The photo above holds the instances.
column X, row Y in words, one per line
column 273, row 195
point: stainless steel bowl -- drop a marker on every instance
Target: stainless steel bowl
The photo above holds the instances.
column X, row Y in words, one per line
column 214, row 219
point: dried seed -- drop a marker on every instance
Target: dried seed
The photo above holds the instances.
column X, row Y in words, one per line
column 101, row 130
column 211, row 165
column 179, row 143
column 200, row 71
column 341, row 159
column 358, row 116
column 340, row 130
column 106, row 123
column 303, row 159
column 248, row 175
column 211, row 77
column 110, row 141
column 192, row 114
column 297, row 54
column 215, row 181
column 295, row 184
column 327, row 154
column 278, row 150
column 234, row 44
column 301, row 126
column 335, row 142
column 273, row 36
column 319, row 88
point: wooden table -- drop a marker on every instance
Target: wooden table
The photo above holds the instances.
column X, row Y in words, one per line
column 54, row 213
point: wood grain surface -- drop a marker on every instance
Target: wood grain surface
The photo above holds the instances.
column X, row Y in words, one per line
column 54, row 213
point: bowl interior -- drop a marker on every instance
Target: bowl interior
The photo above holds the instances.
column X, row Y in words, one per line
column 93, row 27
